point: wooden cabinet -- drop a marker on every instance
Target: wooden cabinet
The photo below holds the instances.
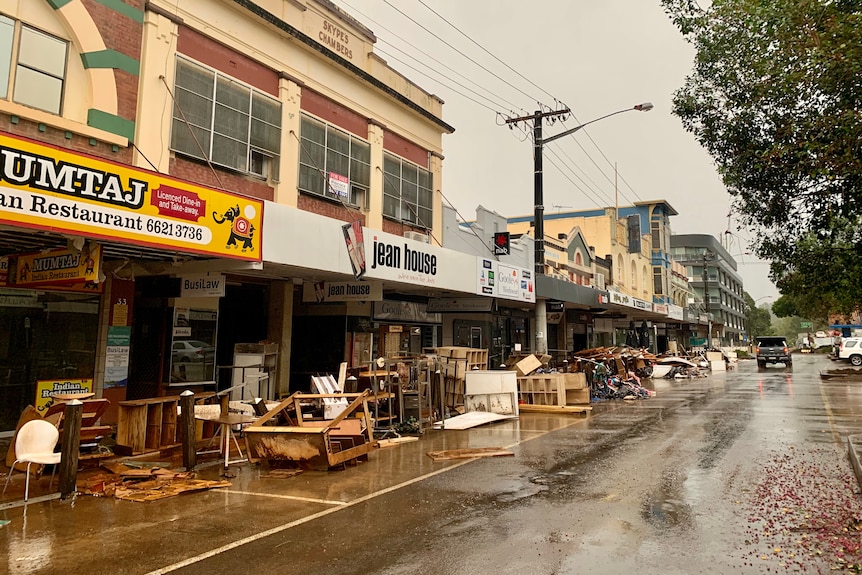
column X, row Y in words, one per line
column 145, row 425
column 553, row 389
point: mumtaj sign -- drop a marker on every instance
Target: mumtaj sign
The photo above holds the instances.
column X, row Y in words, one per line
column 49, row 188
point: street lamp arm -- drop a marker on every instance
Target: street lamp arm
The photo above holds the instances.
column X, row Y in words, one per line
column 645, row 107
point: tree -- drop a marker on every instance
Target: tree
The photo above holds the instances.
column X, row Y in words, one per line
column 758, row 319
column 774, row 97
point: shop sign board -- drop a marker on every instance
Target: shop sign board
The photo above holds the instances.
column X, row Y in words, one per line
column 500, row 280
column 464, row 304
column 202, row 285
column 660, row 308
column 405, row 312
column 56, row 267
column 45, row 388
column 322, row 292
column 629, row 301
column 48, row 188
column 675, row 312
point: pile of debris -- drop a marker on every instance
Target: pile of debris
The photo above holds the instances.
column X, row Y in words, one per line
column 620, row 360
column 141, row 481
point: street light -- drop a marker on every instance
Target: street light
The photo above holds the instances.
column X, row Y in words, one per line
column 539, row 208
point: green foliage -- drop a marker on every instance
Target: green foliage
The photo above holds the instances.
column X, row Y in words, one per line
column 774, row 97
column 758, row 319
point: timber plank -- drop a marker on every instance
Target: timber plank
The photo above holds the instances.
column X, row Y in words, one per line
column 469, row 453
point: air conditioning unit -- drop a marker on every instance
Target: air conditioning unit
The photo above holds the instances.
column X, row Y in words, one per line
column 418, row 237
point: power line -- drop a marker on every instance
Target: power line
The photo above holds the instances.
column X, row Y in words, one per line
column 483, row 49
column 458, row 51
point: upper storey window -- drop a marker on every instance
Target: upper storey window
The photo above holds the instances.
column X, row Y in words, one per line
column 333, row 163
column 218, row 119
column 407, row 192
column 32, row 66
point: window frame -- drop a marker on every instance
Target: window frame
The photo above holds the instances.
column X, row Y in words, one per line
column 16, row 66
column 309, row 167
column 226, row 96
column 392, row 180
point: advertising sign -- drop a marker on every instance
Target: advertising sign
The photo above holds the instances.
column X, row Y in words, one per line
column 202, row 285
column 53, row 189
column 321, row 292
column 45, row 388
column 353, row 240
column 497, row 279
column 57, row 267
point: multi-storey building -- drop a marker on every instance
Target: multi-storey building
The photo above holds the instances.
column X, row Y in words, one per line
column 712, row 273
column 182, row 177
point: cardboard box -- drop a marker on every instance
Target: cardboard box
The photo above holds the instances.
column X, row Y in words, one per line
column 717, row 366
column 714, row 356
column 527, row 365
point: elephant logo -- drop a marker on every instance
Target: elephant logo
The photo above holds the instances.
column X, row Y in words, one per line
column 241, row 229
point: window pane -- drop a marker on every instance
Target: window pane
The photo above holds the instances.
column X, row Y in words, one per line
column 230, row 153
column 390, row 206
column 409, row 192
column 314, row 131
column 424, row 217
column 42, row 52
column 338, row 142
column 424, row 179
column 338, row 163
column 426, row 198
column 361, row 151
column 409, row 173
column 265, row 136
column 265, row 109
column 231, row 123
column 38, row 90
column 232, row 94
column 197, row 110
column 314, row 155
column 360, row 173
column 194, row 78
column 392, row 166
column 183, row 141
column 310, row 180
column 408, row 212
column 7, row 30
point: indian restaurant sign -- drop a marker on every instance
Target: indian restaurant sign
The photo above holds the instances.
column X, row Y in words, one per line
column 49, row 188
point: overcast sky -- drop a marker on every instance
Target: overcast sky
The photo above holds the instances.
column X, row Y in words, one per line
column 595, row 57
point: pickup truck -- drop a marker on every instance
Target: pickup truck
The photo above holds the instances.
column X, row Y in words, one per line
column 851, row 350
column 772, row 349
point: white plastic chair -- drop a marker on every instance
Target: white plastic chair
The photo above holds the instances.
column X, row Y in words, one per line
column 35, row 443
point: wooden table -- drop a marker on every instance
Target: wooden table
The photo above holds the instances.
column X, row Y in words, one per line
column 226, row 424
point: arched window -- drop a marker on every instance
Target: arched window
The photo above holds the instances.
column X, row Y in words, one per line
column 578, row 259
column 645, row 282
column 621, row 280
column 634, row 276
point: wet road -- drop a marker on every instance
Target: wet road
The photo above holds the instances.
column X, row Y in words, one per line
column 672, row 484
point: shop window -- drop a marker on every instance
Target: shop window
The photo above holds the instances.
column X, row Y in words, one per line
column 408, row 195
column 221, row 120
column 333, row 163
column 193, row 346
column 32, row 66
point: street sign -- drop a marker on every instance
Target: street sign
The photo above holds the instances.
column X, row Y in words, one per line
column 805, row 324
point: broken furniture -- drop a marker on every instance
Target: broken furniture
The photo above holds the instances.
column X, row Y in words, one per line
column 35, row 443
column 493, row 391
column 554, row 389
column 314, row 444
column 254, row 367
column 226, row 423
column 93, row 409
column 145, row 425
column 454, row 363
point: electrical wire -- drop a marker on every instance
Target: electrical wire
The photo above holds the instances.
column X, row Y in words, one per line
column 483, row 49
column 388, row 3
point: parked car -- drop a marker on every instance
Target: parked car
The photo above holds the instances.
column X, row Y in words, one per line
column 772, row 349
column 851, row 350
column 192, row 350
